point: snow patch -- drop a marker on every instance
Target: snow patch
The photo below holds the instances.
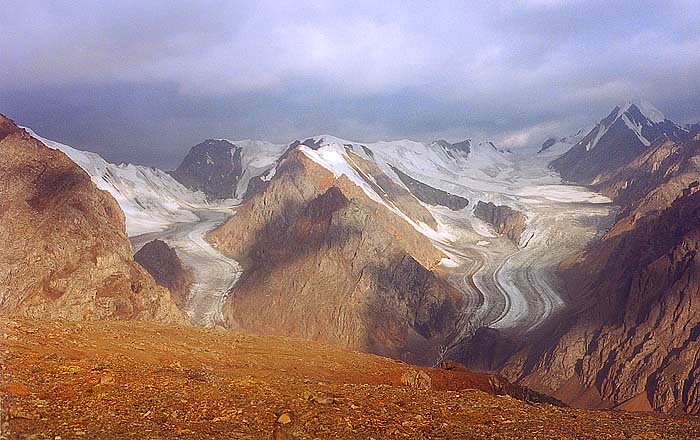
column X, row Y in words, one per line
column 448, row 262
column 637, row 129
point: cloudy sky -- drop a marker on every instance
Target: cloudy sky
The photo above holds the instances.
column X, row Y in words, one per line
column 142, row 81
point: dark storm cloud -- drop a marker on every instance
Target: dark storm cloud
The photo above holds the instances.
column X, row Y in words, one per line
column 141, row 81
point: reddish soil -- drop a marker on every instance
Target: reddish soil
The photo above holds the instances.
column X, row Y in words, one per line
column 117, row 379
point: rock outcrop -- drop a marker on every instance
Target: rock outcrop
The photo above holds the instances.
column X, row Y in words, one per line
column 65, row 253
column 635, row 342
column 323, row 261
column 456, row 151
column 162, row 262
column 213, row 167
column 504, row 219
column 548, row 144
column 430, row 195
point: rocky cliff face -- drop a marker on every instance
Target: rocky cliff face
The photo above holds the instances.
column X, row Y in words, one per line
column 213, row 167
column 635, row 343
column 504, row 219
column 65, row 253
column 162, row 262
column 323, row 261
column 653, row 180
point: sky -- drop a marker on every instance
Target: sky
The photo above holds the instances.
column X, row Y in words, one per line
column 143, row 81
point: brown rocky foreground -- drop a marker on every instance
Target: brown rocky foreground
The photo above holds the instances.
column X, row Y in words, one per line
column 117, row 379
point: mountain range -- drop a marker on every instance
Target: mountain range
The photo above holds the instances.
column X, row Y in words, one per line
column 570, row 268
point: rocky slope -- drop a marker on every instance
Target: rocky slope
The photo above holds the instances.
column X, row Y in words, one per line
column 224, row 170
column 325, row 261
column 615, row 141
column 428, row 194
column 213, row 167
column 163, row 263
column 65, row 252
column 504, row 219
column 635, row 343
column 125, row 380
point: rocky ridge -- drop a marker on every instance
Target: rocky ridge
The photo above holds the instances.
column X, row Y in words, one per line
column 430, row 195
column 504, row 219
column 327, row 262
column 635, row 343
column 65, row 252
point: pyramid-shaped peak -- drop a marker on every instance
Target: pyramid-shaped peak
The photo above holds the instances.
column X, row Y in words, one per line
column 644, row 107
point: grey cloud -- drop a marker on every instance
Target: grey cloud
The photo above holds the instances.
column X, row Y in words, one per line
column 140, row 81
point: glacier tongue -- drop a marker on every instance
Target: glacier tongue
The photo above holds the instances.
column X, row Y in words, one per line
column 507, row 287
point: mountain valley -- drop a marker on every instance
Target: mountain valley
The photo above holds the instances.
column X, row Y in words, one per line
column 568, row 268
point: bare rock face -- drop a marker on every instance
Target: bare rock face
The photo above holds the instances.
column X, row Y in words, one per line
column 504, row 219
column 430, row 195
column 655, row 179
column 459, row 150
column 635, row 343
column 213, row 167
column 162, row 262
column 323, row 261
column 548, row 144
column 65, row 253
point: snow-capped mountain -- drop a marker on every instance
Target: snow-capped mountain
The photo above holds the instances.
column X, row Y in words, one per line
column 645, row 121
column 438, row 163
column 222, row 169
column 150, row 198
column 458, row 168
column 618, row 138
column 556, row 146
column 457, row 151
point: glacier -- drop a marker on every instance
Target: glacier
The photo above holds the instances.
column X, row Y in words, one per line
column 512, row 287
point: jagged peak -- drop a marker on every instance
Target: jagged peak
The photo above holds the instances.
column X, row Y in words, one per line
column 445, row 143
column 488, row 144
column 646, row 108
column 629, row 113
